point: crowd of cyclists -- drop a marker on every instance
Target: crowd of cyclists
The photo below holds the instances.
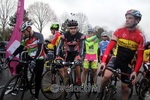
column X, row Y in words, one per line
column 73, row 46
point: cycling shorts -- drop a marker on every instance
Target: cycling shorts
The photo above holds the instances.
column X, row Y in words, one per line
column 94, row 64
column 71, row 56
column 117, row 63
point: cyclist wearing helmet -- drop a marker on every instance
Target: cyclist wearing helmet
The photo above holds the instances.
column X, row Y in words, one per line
column 73, row 41
column 54, row 30
column 34, row 42
column 146, row 56
column 91, row 54
column 103, row 44
column 129, row 40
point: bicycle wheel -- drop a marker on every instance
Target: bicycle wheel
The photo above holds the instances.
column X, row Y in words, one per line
column 68, row 88
column 143, row 88
column 32, row 84
column 89, row 83
column 51, row 85
column 108, row 94
column 137, row 85
column 13, row 89
column 1, row 72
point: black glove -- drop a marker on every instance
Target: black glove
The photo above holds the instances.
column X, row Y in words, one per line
column 10, row 58
column 32, row 64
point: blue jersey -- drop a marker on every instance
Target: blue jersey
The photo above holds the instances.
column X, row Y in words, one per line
column 102, row 46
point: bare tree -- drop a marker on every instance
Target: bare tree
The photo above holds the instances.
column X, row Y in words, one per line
column 7, row 8
column 82, row 21
column 80, row 17
column 41, row 13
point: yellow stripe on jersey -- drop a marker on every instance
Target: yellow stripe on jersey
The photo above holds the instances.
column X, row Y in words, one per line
column 127, row 44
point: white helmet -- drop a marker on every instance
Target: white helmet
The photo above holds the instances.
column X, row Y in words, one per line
column 90, row 30
column 25, row 25
column 104, row 34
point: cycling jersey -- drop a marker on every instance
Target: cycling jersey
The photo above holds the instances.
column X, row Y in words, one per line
column 71, row 43
column 34, row 45
column 128, row 42
column 146, row 56
column 54, row 41
column 91, row 46
column 102, row 46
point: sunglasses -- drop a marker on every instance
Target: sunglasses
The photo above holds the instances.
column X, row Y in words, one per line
column 90, row 33
column 72, row 28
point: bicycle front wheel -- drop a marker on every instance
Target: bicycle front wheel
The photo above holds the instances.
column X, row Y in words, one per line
column 13, row 89
column 51, row 85
column 109, row 94
column 137, row 85
column 143, row 88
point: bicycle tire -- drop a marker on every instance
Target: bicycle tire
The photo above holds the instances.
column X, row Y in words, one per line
column 69, row 85
column 1, row 72
column 32, row 84
column 47, row 84
column 143, row 88
column 12, row 87
column 89, row 79
column 109, row 94
column 137, row 85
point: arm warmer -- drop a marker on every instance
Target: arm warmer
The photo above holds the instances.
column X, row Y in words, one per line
column 139, row 60
column 61, row 43
column 39, row 51
column 18, row 50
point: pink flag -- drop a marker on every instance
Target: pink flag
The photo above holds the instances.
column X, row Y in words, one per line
column 15, row 39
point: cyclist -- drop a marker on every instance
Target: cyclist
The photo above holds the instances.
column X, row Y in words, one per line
column 34, row 42
column 73, row 41
column 103, row 44
column 91, row 54
column 129, row 39
column 146, row 62
column 146, row 56
column 54, row 42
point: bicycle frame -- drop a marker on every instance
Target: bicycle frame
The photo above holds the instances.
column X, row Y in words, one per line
column 113, row 83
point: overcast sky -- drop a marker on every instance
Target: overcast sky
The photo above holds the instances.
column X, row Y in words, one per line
column 109, row 13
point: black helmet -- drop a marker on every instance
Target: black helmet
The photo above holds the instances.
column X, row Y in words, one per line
column 147, row 44
column 72, row 23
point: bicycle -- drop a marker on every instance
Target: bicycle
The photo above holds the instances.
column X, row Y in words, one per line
column 144, row 83
column 111, row 88
column 51, row 81
column 16, row 87
column 71, row 83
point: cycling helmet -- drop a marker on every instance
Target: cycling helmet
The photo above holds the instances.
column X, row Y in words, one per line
column 104, row 34
column 72, row 23
column 135, row 13
column 25, row 25
column 54, row 26
column 147, row 44
column 90, row 30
